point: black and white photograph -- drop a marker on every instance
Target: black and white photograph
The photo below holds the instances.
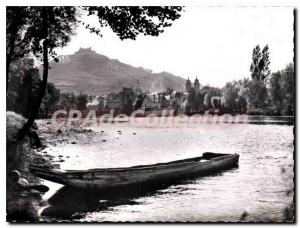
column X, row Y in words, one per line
column 150, row 114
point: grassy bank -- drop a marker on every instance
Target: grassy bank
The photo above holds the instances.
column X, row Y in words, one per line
column 22, row 204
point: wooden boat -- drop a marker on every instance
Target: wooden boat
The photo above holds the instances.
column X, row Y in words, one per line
column 156, row 174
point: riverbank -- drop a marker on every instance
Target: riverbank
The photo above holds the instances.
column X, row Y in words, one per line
column 262, row 186
column 23, row 205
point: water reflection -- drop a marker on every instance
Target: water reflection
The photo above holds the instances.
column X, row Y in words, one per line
column 271, row 120
column 260, row 190
column 71, row 204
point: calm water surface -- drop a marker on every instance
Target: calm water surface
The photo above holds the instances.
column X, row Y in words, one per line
column 261, row 188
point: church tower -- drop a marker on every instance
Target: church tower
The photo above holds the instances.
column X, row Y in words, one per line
column 197, row 85
column 188, row 86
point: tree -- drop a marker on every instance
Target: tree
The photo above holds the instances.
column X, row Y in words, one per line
column 130, row 21
column 199, row 102
column 260, row 63
column 127, row 98
column 241, row 104
column 230, row 93
column 67, row 101
column 276, row 92
column 288, row 90
column 47, row 28
column 164, row 102
column 16, row 19
column 195, row 101
column 23, row 86
column 209, row 93
column 26, row 93
column 243, row 95
column 176, row 102
column 50, row 100
column 82, row 100
column 258, row 95
column 191, row 101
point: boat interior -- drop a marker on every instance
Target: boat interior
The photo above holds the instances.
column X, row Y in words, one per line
column 205, row 157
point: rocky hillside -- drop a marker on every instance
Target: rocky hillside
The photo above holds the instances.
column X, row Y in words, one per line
column 89, row 72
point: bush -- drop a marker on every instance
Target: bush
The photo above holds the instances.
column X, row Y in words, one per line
column 14, row 123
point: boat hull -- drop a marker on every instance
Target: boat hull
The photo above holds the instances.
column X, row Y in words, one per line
column 157, row 174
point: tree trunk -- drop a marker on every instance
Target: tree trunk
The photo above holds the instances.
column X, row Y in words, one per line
column 24, row 130
column 8, row 61
column 35, row 110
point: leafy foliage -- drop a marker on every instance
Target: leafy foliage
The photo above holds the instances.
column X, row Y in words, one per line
column 209, row 93
column 62, row 22
column 16, row 22
column 260, row 63
column 254, row 96
column 282, row 90
column 25, row 29
column 23, row 89
column 23, row 86
column 258, row 95
column 276, row 91
column 50, row 100
column 196, row 101
column 82, row 100
column 129, row 21
column 230, row 94
column 30, row 29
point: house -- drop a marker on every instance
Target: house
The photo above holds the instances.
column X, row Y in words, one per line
column 112, row 102
column 151, row 102
column 94, row 104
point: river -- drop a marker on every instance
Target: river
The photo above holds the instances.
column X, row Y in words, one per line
column 260, row 189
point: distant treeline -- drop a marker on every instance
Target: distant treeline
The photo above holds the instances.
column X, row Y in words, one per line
column 264, row 94
column 273, row 96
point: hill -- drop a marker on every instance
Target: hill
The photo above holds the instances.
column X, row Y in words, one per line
column 89, row 72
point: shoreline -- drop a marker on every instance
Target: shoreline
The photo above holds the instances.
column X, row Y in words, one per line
column 52, row 137
column 25, row 205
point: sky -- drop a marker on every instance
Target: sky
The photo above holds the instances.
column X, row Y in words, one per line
column 213, row 44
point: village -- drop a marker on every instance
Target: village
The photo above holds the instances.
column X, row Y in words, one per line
column 195, row 99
